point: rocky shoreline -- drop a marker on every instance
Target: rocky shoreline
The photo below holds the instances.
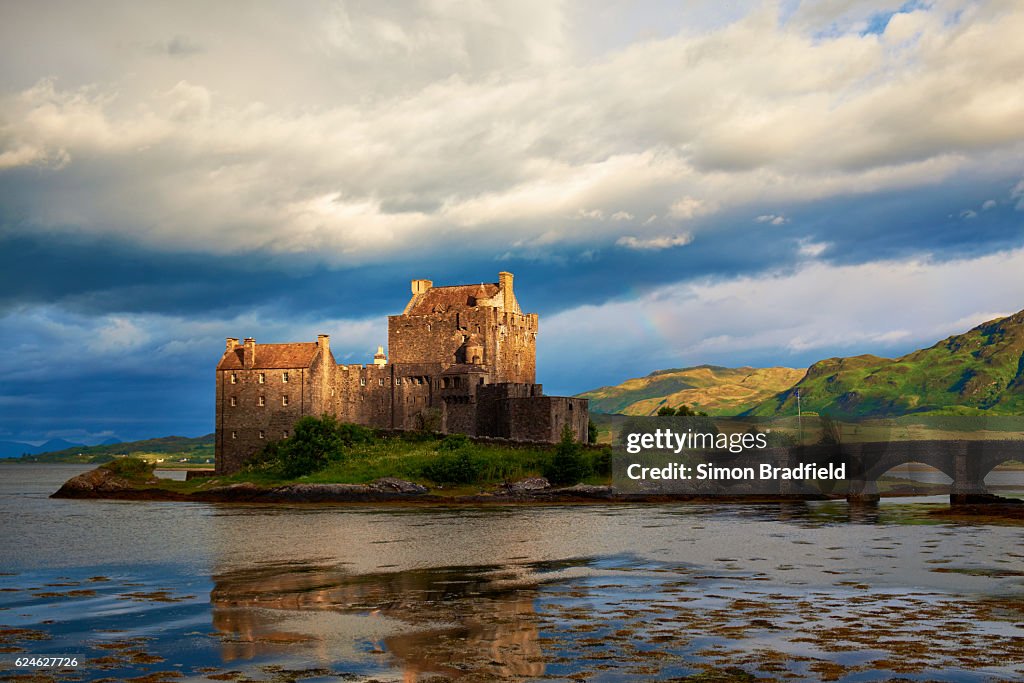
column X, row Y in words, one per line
column 105, row 484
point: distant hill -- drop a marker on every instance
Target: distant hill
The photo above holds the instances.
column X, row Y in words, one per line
column 978, row 372
column 197, row 449
column 15, row 449
column 713, row 389
column 58, row 444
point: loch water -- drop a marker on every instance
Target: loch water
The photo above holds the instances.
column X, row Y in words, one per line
column 809, row 591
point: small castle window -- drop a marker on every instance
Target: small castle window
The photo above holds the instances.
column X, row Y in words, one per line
column 284, row 377
column 262, row 401
column 381, row 380
column 263, row 378
column 362, row 382
column 234, row 400
column 234, row 378
column 398, row 380
column 263, row 434
column 284, row 400
column 234, row 434
column 284, row 434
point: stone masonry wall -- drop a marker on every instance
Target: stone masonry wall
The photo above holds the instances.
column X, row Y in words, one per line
column 245, row 423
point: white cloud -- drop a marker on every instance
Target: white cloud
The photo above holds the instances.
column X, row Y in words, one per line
column 772, row 219
column 688, row 207
column 654, row 243
column 817, row 310
column 1018, row 193
column 461, row 123
column 811, row 249
column 988, row 204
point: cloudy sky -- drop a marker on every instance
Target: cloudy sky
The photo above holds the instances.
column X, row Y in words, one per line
column 672, row 183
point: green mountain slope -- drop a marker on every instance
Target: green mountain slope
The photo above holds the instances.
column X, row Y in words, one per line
column 979, row 371
column 713, row 389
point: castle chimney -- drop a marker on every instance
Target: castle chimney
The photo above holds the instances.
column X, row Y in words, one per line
column 421, row 286
column 505, row 282
column 230, row 344
column 249, row 357
column 379, row 358
column 323, row 342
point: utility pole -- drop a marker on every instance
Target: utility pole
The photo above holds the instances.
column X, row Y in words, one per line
column 799, row 418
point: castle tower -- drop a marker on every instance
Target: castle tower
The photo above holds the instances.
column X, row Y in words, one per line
column 456, row 324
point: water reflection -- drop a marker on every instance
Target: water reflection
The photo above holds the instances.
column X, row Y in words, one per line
column 477, row 609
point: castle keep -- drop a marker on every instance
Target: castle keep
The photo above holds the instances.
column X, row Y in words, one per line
column 462, row 359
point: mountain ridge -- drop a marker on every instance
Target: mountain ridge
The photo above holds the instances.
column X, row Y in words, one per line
column 977, row 371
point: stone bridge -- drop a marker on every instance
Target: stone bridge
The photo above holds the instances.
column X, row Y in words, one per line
column 965, row 462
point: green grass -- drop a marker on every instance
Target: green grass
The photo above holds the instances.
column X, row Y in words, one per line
column 403, row 458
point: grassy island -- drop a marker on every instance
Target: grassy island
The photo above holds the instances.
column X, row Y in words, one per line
column 325, row 455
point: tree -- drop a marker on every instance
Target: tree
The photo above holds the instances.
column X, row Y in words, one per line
column 315, row 441
column 831, row 432
column 456, row 462
column 568, row 466
column 591, row 432
column 665, row 411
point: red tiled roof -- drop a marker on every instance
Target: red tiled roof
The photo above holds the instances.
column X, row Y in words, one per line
column 295, row 355
column 440, row 299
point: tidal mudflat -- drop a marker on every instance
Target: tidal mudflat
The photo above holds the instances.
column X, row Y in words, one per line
column 808, row 591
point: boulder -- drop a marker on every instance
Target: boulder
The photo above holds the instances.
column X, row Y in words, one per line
column 393, row 485
column 95, row 483
column 528, row 485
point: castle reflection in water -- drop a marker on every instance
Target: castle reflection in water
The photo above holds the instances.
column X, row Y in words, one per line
column 424, row 619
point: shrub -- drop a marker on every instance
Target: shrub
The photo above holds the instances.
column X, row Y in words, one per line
column 129, row 467
column 601, row 462
column 454, row 442
column 351, row 434
column 428, row 420
column 568, row 466
column 459, row 466
column 314, row 443
column 831, row 432
column 591, row 432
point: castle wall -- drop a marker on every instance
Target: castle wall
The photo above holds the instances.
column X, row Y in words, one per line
column 509, row 340
column 541, row 418
column 244, row 424
column 514, row 347
column 386, row 396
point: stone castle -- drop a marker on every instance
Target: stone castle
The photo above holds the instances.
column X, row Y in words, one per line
column 462, row 359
